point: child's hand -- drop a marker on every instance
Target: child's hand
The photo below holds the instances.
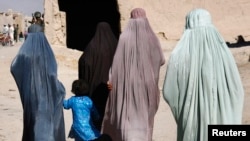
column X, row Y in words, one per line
column 109, row 86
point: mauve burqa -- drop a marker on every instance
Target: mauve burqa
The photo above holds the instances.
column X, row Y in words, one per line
column 134, row 74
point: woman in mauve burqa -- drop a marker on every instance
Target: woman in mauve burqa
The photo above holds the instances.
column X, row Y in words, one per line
column 35, row 72
column 202, row 84
column 134, row 98
column 94, row 65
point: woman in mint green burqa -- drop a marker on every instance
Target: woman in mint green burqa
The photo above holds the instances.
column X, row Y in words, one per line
column 202, row 84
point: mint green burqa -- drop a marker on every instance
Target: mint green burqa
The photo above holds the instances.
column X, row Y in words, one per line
column 202, row 84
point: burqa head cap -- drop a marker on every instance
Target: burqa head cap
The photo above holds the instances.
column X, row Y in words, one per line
column 138, row 13
column 38, row 14
column 197, row 18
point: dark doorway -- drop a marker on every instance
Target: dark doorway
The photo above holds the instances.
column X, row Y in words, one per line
column 83, row 16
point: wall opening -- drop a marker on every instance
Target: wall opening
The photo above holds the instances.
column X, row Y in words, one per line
column 83, row 16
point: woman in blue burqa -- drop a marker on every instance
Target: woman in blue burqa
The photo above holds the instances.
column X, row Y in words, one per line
column 202, row 84
column 35, row 72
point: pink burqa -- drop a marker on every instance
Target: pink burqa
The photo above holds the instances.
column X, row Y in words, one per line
column 134, row 74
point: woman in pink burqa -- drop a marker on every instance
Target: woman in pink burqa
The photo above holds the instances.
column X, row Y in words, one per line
column 134, row 74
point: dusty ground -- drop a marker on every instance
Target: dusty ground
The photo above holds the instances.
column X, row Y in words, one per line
column 165, row 127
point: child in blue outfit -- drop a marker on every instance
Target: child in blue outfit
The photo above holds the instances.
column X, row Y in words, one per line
column 83, row 111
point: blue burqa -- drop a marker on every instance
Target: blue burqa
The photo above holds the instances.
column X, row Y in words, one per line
column 35, row 71
column 202, row 84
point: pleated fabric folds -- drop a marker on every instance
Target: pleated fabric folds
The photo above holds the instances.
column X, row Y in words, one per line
column 35, row 72
column 134, row 74
column 202, row 83
column 94, row 65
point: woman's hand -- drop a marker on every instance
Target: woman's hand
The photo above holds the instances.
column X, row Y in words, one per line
column 109, row 85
